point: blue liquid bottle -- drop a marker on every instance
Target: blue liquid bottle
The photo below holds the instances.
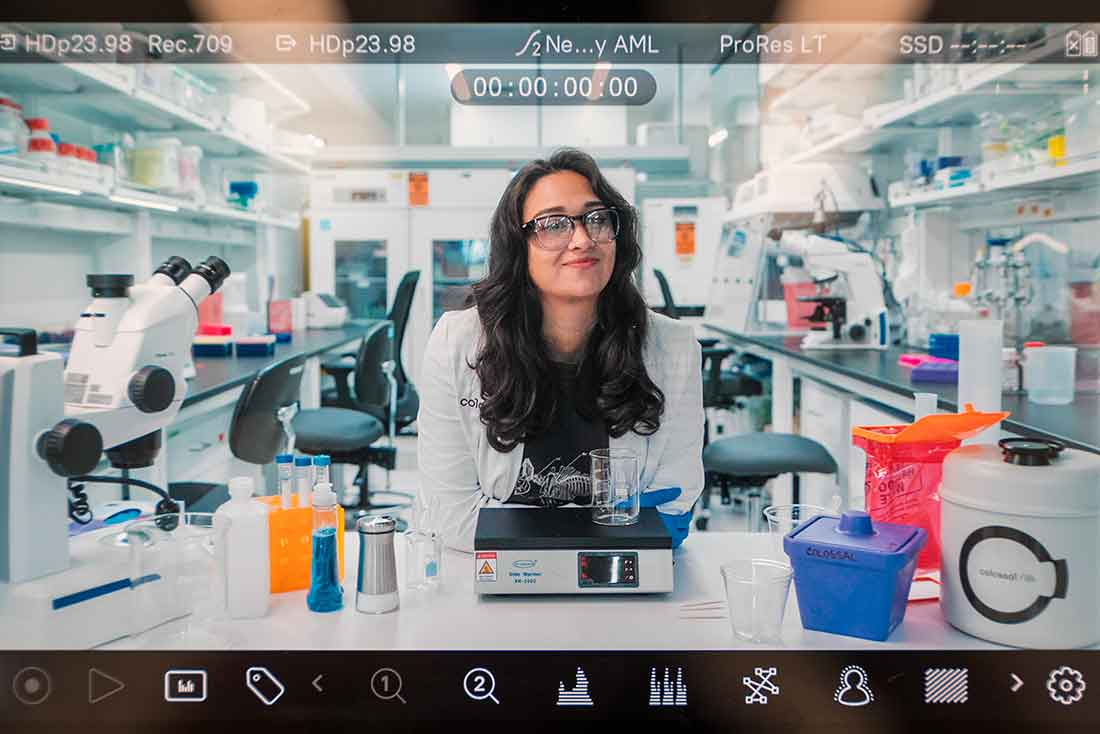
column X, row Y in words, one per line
column 325, row 592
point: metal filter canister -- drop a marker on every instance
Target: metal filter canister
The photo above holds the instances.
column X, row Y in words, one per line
column 376, row 587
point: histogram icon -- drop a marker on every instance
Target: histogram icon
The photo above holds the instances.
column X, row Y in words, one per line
column 669, row 690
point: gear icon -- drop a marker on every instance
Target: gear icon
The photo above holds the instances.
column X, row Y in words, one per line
column 1066, row 685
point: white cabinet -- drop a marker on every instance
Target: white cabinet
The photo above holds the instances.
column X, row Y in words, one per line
column 824, row 418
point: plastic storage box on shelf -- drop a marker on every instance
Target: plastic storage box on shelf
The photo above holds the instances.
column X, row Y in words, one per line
column 67, row 161
column 852, row 576
column 156, row 163
column 191, row 172
column 1082, row 119
column 1021, row 535
column 14, row 135
column 41, row 147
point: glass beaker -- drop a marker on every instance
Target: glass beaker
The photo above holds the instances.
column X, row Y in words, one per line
column 756, row 593
column 423, row 560
column 177, row 570
column 1050, row 374
column 616, row 495
column 782, row 519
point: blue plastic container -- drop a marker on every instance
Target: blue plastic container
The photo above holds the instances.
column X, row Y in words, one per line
column 853, row 576
column 944, row 345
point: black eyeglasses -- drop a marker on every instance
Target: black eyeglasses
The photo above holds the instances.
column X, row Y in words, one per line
column 555, row 231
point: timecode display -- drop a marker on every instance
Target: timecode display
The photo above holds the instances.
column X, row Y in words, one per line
column 601, row 86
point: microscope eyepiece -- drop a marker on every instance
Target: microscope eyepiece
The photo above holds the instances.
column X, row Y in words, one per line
column 175, row 268
column 214, row 270
column 110, row 285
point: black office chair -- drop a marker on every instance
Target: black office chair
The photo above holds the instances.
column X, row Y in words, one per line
column 670, row 308
column 262, row 420
column 408, row 400
column 747, row 462
column 348, row 434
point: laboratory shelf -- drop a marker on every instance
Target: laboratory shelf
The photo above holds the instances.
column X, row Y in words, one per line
column 17, row 212
column 29, row 184
column 110, row 95
column 1023, row 82
column 1040, row 178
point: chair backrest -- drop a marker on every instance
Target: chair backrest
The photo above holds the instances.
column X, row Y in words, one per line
column 666, row 292
column 372, row 389
column 255, row 434
column 399, row 315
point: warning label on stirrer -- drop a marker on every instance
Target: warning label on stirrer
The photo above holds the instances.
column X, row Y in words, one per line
column 487, row 566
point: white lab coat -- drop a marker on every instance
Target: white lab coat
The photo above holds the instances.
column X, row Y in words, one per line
column 460, row 472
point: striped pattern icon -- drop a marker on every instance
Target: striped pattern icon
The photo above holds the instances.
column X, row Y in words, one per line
column 946, row 685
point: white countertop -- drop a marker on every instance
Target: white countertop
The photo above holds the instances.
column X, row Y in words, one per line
column 457, row 619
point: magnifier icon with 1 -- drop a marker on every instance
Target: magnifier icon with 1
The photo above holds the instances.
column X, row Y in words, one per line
column 480, row 684
column 386, row 684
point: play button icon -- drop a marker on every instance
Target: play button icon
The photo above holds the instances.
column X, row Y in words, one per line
column 101, row 685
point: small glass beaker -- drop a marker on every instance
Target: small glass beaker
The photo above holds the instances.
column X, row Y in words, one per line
column 782, row 519
column 423, row 560
column 756, row 593
column 616, row 495
column 177, row 569
column 1050, row 374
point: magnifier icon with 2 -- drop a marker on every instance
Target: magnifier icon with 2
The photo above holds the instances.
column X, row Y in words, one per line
column 480, row 684
column 386, row 685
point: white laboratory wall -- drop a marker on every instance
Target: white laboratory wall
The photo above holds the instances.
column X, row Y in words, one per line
column 584, row 126
column 42, row 275
column 520, row 126
column 503, row 126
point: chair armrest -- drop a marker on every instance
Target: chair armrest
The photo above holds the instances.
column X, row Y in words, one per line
column 340, row 369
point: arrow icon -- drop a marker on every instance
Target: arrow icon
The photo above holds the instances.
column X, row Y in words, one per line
column 1017, row 684
column 101, row 685
column 317, row 683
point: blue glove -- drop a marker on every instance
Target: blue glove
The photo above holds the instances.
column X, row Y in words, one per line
column 655, row 497
column 677, row 525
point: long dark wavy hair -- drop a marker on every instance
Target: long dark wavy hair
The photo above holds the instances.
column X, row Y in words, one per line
column 518, row 401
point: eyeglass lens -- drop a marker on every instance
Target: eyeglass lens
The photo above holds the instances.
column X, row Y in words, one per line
column 601, row 225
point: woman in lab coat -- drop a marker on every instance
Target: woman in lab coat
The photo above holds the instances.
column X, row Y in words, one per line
column 558, row 356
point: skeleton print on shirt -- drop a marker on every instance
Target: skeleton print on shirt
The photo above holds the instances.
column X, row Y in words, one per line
column 555, row 485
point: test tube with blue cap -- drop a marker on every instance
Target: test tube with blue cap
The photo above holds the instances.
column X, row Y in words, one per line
column 321, row 464
column 285, row 464
column 303, row 479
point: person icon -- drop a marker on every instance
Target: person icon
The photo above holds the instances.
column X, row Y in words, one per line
column 854, row 689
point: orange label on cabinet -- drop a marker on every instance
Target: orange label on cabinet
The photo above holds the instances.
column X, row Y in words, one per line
column 418, row 188
column 685, row 239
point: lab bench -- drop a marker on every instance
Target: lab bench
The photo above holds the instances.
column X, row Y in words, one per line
column 858, row 386
column 456, row 618
column 196, row 444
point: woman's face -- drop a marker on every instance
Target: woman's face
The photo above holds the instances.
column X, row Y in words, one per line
column 583, row 268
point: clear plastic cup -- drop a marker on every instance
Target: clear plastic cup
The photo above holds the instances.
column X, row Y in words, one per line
column 616, row 494
column 1050, row 374
column 756, row 593
column 782, row 519
column 423, row 560
column 177, row 572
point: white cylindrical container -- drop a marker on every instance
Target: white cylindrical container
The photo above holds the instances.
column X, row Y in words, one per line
column 1021, row 538
column 980, row 344
column 247, row 556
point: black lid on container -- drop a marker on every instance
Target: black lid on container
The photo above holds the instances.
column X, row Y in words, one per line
column 1030, row 451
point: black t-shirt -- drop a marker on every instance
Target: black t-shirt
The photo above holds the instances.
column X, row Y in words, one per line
column 556, row 464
